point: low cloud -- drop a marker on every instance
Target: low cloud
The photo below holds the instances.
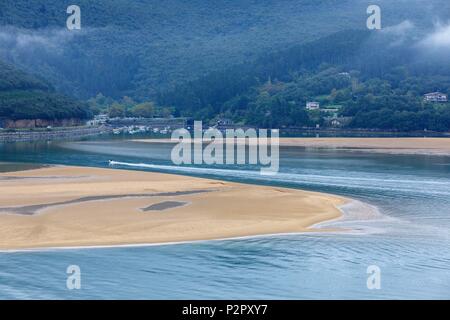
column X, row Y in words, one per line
column 18, row 43
column 400, row 29
column 22, row 38
column 437, row 40
column 43, row 51
column 400, row 34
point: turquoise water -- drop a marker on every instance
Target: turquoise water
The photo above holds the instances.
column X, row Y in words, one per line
column 404, row 228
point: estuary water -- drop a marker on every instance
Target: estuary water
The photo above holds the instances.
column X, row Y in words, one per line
column 401, row 224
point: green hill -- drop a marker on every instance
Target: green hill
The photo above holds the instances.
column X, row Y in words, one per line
column 373, row 83
column 23, row 96
column 256, row 62
column 14, row 79
column 140, row 47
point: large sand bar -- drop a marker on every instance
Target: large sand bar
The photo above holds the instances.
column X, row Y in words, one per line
column 78, row 206
column 424, row 146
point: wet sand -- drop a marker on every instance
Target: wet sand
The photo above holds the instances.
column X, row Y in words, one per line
column 78, row 206
column 424, row 146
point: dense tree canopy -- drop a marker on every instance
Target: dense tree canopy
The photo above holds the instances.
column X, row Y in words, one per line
column 136, row 48
column 23, row 96
column 255, row 62
column 340, row 73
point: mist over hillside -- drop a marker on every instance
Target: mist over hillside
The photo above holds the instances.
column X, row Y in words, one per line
column 361, row 79
column 139, row 48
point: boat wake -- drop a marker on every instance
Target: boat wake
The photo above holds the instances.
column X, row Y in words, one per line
column 379, row 184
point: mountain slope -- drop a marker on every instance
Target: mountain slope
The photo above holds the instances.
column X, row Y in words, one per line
column 23, row 96
column 374, row 80
column 141, row 47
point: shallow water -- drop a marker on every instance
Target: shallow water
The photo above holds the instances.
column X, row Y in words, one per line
column 403, row 227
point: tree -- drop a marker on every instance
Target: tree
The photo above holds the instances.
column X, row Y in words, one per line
column 143, row 110
column 116, row 110
column 128, row 102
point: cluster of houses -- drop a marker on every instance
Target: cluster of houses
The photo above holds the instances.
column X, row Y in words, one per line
column 437, row 97
column 163, row 126
column 141, row 129
column 310, row 106
column 331, row 119
column 138, row 125
column 336, row 121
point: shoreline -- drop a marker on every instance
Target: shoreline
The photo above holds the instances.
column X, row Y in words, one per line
column 322, row 227
column 55, row 134
column 227, row 211
column 403, row 146
column 157, row 244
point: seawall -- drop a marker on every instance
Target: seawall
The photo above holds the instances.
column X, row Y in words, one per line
column 52, row 134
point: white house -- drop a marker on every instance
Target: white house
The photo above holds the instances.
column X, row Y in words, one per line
column 98, row 120
column 436, row 97
column 312, row 105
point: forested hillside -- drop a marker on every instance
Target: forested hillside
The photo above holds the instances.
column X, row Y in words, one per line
column 205, row 96
column 23, row 96
column 255, row 62
column 140, row 47
column 371, row 80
